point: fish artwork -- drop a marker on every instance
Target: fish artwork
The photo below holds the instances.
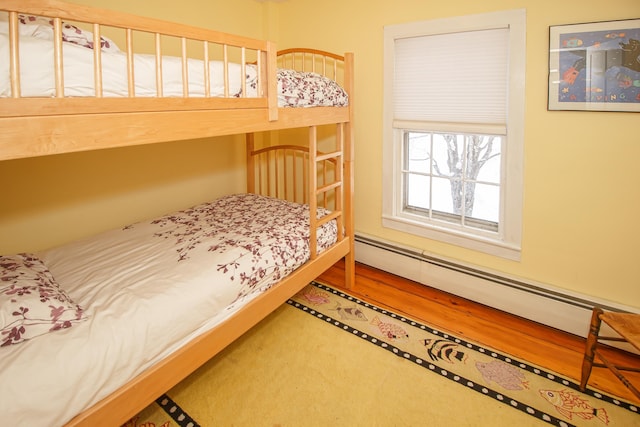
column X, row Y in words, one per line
column 390, row 330
column 315, row 296
column 444, row 350
column 350, row 313
column 572, row 42
column 569, row 404
column 505, row 375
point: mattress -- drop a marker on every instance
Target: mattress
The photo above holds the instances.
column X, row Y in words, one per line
column 37, row 78
column 146, row 290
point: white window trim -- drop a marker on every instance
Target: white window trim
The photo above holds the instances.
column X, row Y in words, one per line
column 508, row 243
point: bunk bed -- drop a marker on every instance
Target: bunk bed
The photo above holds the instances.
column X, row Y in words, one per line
column 226, row 85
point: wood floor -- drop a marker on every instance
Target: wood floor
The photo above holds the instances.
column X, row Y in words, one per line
column 541, row 345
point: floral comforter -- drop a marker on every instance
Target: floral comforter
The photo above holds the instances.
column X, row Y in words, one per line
column 147, row 290
column 253, row 241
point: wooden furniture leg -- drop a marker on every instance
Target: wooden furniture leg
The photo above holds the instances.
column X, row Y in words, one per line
column 627, row 325
column 590, row 348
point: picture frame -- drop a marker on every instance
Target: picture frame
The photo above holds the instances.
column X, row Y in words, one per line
column 595, row 66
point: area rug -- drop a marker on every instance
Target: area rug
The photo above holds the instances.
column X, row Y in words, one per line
column 329, row 359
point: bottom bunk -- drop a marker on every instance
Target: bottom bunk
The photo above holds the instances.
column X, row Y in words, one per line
column 95, row 330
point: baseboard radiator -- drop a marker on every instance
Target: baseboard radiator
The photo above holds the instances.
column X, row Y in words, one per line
column 570, row 312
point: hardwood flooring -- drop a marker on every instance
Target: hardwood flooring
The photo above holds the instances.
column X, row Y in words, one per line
column 541, row 345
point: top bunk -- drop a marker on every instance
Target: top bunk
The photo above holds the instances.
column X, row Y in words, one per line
column 150, row 81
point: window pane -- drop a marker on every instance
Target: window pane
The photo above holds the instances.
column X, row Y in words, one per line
column 447, row 155
column 418, row 191
column 486, row 203
column 418, row 149
column 442, row 198
column 483, row 158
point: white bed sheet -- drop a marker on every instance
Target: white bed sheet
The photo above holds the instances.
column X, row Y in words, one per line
column 37, row 73
column 148, row 289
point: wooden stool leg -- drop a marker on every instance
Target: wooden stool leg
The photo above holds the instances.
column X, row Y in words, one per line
column 619, row 375
column 590, row 347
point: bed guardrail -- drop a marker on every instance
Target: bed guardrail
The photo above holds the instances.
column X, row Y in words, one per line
column 69, row 27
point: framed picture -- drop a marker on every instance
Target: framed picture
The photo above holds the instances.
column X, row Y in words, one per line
column 595, row 66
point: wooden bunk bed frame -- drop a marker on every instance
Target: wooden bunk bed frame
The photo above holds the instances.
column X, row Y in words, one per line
column 43, row 126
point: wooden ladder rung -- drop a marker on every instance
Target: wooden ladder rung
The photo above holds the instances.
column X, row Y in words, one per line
column 328, row 187
column 330, row 217
column 328, row 156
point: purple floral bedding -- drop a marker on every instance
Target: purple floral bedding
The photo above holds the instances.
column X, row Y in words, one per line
column 306, row 89
column 268, row 237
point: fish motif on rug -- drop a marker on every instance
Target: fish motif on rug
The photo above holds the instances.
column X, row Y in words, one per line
column 444, row 350
column 350, row 313
column 315, row 296
column 390, row 330
column 570, row 404
column 509, row 377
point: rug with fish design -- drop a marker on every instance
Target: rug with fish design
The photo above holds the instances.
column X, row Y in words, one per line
column 329, row 359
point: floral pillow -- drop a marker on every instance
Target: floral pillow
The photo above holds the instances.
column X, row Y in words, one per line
column 42, row 28
column 75, row 35
column 31, row 302
column 307, row 89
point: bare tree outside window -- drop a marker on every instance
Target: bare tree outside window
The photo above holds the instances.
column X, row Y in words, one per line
column 464, row 168
column 454, row 177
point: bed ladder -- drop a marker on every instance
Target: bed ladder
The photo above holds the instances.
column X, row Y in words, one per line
column 322, row 189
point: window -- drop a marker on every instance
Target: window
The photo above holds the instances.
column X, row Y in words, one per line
column 453, row 130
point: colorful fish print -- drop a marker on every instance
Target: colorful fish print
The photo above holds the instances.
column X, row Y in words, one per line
column 572, row 42
column 569, row 404
column 315, row 296
column 350, row 313
column 444, row 350
column 505, row 375
column 625, row 81
column 390, row 330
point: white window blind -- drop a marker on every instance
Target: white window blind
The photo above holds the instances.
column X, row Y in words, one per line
column 457, row 77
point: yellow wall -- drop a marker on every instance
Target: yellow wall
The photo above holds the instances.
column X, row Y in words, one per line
column 580, row 227
column 581, row 202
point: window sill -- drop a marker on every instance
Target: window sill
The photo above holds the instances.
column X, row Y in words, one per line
column 490, row 246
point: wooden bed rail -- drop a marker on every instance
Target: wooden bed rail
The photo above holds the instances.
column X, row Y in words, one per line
column 313, row 60
column 214, row 45
column 282, row 171
column 45, row 125
column 110, row 18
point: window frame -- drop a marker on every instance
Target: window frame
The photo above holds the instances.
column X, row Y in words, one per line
column 506, row 242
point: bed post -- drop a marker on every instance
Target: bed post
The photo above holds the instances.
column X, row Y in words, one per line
column 312, row 190
column 349, row 151
column 272, row 81
column 251, row 167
